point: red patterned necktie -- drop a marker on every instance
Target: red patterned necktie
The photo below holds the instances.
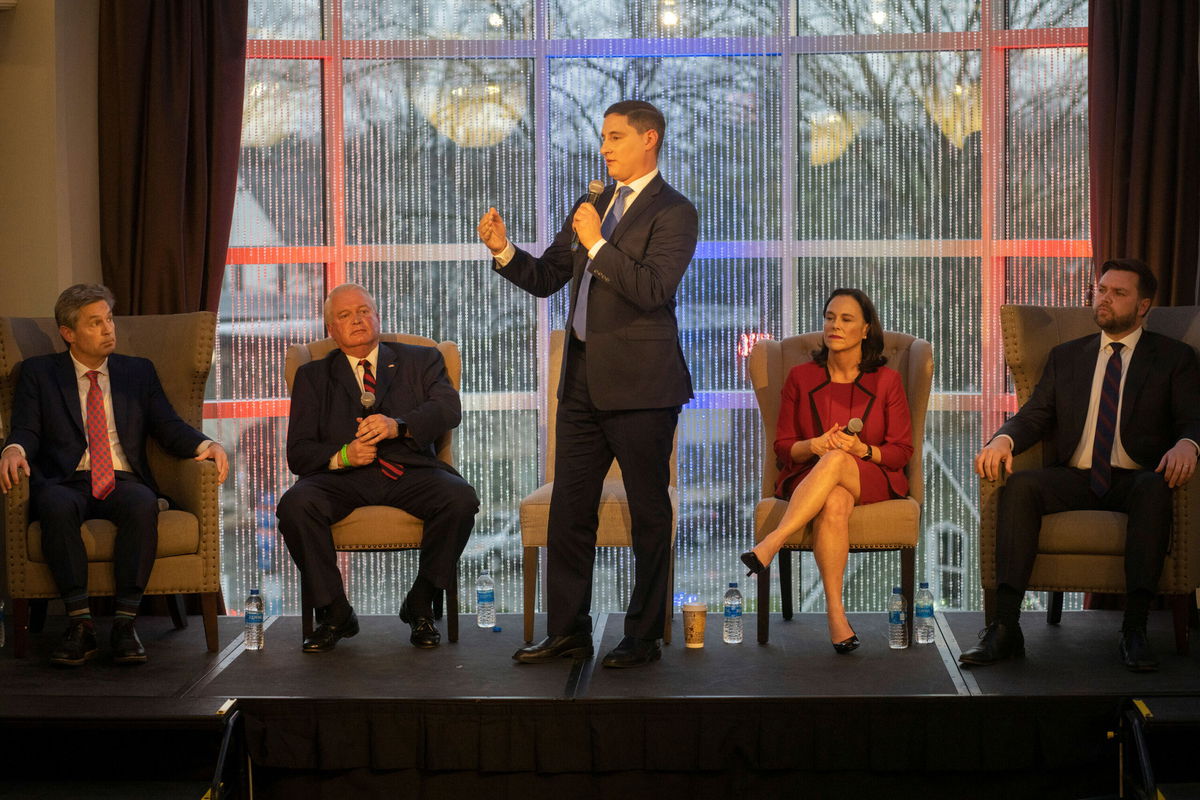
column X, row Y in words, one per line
column 389, row 469
column 1106, row 423
column 99, row 453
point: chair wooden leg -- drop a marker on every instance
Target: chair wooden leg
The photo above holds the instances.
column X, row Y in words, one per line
column 452, row 607
column 208, row 610
column 670, row 612
column 784, row 557
column 20, row 618
column 176, row 610
column 1054, row 610
column 908, row 572
column 1179, row 617
column 529, row 573
column 764, row 606
column 37, row 615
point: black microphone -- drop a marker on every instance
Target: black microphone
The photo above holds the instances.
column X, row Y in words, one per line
column 854, row 426
column 368, row 402
column 595, row 189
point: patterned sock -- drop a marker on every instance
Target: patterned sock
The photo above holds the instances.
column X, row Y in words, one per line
column 78, row 609
column 127, row 607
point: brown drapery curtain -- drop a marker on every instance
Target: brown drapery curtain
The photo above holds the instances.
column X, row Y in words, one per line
column 1144, row 122
column 170, row 106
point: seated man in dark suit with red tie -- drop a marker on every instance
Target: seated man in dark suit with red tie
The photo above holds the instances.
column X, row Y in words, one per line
column 347, row 456
column 1119, row 415
column 80, row 423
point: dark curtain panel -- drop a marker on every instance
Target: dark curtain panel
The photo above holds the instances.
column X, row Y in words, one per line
column 171, row 86
column 1144, row 118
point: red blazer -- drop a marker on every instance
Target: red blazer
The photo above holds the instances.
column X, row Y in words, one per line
column 879, row 402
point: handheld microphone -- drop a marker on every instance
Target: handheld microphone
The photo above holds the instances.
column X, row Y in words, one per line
column 595, row 189
column 367, row 399
column 855, row 426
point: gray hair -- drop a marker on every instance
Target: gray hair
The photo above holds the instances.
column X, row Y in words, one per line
column 345, row 287
column 74, row 298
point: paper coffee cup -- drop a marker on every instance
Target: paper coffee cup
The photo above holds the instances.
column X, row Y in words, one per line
column 694, row 617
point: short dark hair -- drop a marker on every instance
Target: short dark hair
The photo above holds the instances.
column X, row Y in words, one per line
column 872, row 346
column 1147, row 283
column 643, row 117
column 74, row 298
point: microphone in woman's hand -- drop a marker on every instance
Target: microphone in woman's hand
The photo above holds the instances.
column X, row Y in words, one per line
column 854, row 426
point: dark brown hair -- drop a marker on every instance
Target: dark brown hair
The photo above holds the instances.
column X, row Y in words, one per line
column 1147, row 283
column 872, row 344
column 643, row 117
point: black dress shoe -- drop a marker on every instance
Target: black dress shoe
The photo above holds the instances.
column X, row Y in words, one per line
column 552, row 648
column 847, row 645
column 77, row 645
column 751, row 561
column 1135, row 651
column 633, row 652
column 326, row 635
column 996, row 643
column 424, row 633
column 126, row 646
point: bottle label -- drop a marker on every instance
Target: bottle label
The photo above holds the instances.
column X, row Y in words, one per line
column 254, row 618
column 924, row 612
column 733, row 611
column 485, row 596
column 896, row 617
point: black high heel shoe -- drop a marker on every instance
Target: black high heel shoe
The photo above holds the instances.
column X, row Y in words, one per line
column 847, row 645
column 751, row 561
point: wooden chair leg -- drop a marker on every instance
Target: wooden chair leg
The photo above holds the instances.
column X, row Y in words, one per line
column 20, row 618
column 208, row 610
column 670, row 612
column 908, row 572
column 784, row 557
column 1054, row 610
column 37, row 615
column 764, row 606
column 529, row 573
column 1179, row 617
column 177, row 611
column 452, row 607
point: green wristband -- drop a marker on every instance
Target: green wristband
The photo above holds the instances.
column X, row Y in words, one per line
column 345, row 457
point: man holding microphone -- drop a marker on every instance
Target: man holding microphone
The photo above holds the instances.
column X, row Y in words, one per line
column 624, row 378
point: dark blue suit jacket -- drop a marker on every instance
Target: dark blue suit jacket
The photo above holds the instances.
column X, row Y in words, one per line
column 411, row 384
column 48, row 422
column 1159, row 406
column 633, row 355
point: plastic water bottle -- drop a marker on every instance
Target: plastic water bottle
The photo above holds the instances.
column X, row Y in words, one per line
column 923, row 615
column 254, row 622
column 897, row 627
column 732, row 632
column 485, row 600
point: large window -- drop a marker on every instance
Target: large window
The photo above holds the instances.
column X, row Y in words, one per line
column 932, row 153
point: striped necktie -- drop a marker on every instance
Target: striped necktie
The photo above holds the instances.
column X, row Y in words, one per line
column 389, row 469
column 1106, row 423
column 99, row 451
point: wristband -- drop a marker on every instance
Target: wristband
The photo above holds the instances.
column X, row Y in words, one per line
column 344, row 456
column 869, row 454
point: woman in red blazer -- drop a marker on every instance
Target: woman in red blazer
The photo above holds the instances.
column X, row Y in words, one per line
column 825, row 469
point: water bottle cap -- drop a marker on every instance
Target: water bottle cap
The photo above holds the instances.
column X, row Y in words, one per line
column 254, row 591
column 924, row 584
column 733, row 585
column 895, row 590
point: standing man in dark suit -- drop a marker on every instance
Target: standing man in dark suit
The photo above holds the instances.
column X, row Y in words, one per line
column 624, row 378
column 361, row 433
column 1119, row 415
column 79, row 428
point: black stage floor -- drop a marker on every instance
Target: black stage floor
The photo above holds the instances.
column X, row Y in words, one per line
column 377, row 706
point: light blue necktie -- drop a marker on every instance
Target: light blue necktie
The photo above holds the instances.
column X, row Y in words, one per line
column 579, row 323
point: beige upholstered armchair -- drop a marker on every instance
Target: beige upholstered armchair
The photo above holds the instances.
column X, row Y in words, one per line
column 888, row 525
column 1083, row 551
column 188, row 560
column 381, row 528
column 615, row 525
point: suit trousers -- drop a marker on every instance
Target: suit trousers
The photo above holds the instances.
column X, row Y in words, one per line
column 440, row 498
column 132, row 506
column 1030, row 494
column 587, row 441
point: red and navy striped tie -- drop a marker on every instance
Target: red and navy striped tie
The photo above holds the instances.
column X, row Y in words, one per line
column 389, row 469
column 99, row 451
column 1106, row 423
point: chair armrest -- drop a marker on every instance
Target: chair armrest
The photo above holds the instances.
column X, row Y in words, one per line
column 989, row 504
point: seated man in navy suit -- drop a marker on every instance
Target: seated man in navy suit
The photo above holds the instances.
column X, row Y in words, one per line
column 361, row 433
column 80, row 423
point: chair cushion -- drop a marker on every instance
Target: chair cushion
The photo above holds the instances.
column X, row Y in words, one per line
column 1084, row 533
column 885, row 525
column 378, row 528
column 615, row 524
column 178, row 534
